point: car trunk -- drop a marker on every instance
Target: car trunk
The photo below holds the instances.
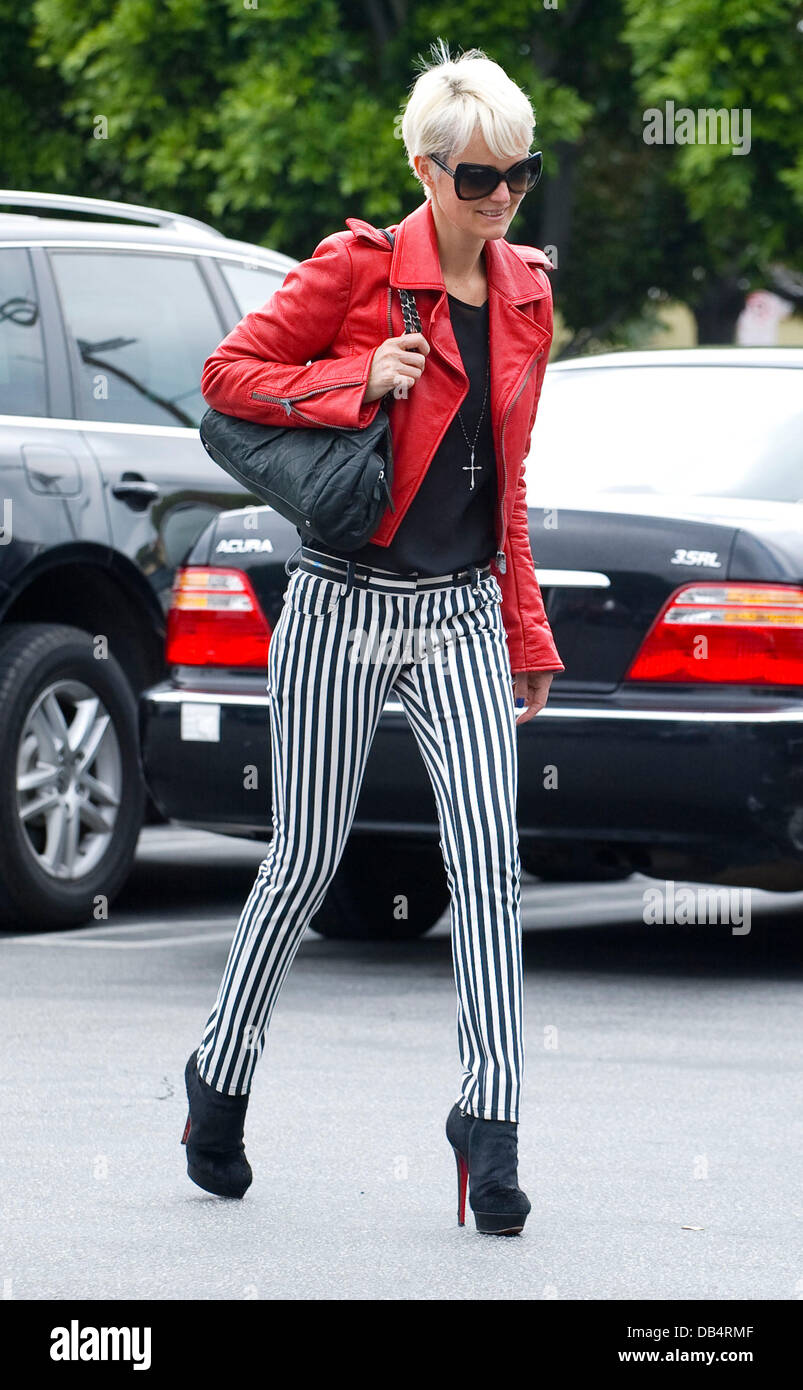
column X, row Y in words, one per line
column 599, row 626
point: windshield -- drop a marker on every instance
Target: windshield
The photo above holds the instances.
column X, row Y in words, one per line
column 691, row 430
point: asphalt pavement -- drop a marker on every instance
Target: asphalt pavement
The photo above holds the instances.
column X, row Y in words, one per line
column 660, row 1138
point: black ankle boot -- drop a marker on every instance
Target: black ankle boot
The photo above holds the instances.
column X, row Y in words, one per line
column 213, row 1135
column 498, row 1203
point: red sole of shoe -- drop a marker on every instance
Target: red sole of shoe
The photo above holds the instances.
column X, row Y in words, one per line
column 462, row 1186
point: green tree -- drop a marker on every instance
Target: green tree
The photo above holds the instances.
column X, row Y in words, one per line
column 740, row 55
column 36, row 150
column 276, row 119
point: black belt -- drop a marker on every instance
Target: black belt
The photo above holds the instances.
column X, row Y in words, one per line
column 356, row 572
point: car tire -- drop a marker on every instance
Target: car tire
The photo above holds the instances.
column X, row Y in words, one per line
column 364, row 895
column 67, row 716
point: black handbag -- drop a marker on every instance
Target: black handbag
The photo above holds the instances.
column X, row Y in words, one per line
column 332, row 482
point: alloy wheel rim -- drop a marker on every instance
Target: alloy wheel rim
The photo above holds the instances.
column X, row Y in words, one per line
column 69, row 780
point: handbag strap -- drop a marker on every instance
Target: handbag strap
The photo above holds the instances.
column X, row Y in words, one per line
column 412, row 323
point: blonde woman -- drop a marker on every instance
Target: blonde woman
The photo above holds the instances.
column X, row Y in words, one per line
column 450, row 560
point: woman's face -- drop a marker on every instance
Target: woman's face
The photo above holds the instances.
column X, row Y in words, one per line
column 473, row 215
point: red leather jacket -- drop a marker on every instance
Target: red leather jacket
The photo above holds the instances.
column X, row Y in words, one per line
column 312, row 345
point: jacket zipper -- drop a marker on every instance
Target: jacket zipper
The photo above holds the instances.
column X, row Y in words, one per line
column 286, row 401
column 501, row 561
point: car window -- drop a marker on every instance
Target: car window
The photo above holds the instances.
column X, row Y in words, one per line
column 22, row 359
column 691, row 430
column 251, row 285
column 143, row 326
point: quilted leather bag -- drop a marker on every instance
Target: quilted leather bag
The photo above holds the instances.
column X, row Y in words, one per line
column 332, row 482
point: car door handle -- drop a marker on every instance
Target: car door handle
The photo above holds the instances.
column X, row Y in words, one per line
column 135, row 491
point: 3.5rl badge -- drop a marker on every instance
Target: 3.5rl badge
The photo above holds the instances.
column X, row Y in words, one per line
column 708, row 558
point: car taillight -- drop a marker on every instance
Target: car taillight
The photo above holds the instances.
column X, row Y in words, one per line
column 215, row 620
column 745, row 634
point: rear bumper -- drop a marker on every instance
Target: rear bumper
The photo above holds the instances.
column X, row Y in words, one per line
column 206, row 756
column 709, row 793
column 713, row 794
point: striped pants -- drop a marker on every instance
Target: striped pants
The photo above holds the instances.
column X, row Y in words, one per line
column 335, row 656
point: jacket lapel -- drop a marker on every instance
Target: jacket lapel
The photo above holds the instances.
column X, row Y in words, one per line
column 515, row 338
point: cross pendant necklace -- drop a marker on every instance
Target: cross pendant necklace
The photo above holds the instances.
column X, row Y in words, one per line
column 468, row 466
column 472, row 466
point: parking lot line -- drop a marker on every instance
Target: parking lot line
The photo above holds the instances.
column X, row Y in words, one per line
column 96, row 937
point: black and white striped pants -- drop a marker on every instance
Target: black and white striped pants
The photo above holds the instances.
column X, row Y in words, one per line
column 331, row 666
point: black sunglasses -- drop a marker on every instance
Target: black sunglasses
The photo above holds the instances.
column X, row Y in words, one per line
column 479, row 180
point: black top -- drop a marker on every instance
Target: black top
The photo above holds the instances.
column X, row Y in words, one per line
column 449, row 525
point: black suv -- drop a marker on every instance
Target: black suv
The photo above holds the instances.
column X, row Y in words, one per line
column 105, row 325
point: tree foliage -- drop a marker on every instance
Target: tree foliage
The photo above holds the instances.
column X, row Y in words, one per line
column 276, row 119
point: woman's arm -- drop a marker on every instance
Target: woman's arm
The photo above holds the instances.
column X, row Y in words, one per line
column 266, row 354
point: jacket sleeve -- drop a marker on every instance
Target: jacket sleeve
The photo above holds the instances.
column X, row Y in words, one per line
column 530, row 642
column 267, row 354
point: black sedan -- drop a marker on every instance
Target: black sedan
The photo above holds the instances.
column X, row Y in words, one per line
column 666, row 519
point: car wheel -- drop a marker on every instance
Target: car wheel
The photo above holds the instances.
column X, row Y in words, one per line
column 71, row 788
column 384, row 890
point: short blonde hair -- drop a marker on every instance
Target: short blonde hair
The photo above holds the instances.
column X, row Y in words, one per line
column 452, row 96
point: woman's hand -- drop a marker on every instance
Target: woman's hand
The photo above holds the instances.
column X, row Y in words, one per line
column 533, row 688
column 398, row 362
